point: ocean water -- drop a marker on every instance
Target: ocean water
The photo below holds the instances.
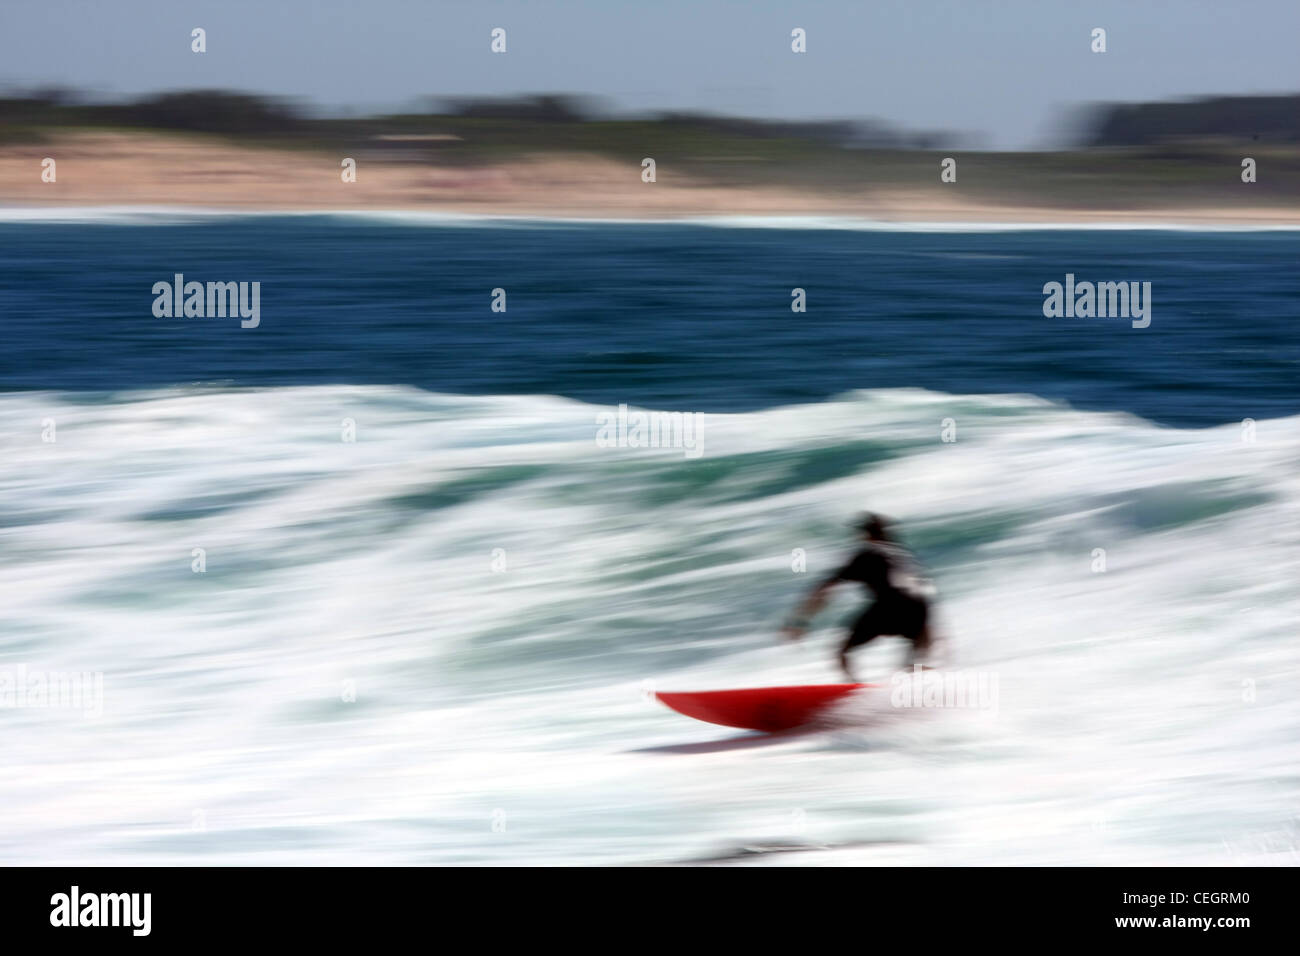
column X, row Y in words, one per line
column 434, row 644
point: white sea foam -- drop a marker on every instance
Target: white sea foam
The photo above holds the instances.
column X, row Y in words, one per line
column 1146, row 713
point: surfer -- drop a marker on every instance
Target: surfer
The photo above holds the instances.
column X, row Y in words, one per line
column 902, row 595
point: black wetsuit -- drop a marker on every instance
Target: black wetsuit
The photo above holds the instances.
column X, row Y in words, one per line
column 897, row 610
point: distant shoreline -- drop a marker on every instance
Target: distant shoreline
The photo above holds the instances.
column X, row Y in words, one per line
column 152, row 175
column 167, row 215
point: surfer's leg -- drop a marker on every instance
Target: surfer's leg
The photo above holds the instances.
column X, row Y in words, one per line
column 844, row 664
column 866, row 628
column 921, row 636
column 919, row 652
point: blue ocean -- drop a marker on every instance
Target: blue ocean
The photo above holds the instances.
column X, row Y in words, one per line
column 361, row 584
column 668, row 316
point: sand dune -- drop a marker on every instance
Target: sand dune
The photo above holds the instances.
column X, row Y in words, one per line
column 126, row 168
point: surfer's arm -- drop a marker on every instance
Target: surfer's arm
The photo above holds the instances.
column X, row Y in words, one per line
column 807, row 609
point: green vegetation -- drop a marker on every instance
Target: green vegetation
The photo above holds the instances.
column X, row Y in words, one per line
column 1148, row 155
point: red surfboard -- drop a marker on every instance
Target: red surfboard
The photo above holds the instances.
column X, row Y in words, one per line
column 769, row 709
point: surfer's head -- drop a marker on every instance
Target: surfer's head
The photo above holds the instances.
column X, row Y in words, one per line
column 873, row 527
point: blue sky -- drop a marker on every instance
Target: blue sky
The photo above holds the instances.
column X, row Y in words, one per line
column 1000, row 67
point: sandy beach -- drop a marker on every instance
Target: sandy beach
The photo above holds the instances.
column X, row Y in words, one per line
column 99, row 168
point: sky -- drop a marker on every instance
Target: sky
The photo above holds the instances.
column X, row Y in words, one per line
column 1005, row 69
